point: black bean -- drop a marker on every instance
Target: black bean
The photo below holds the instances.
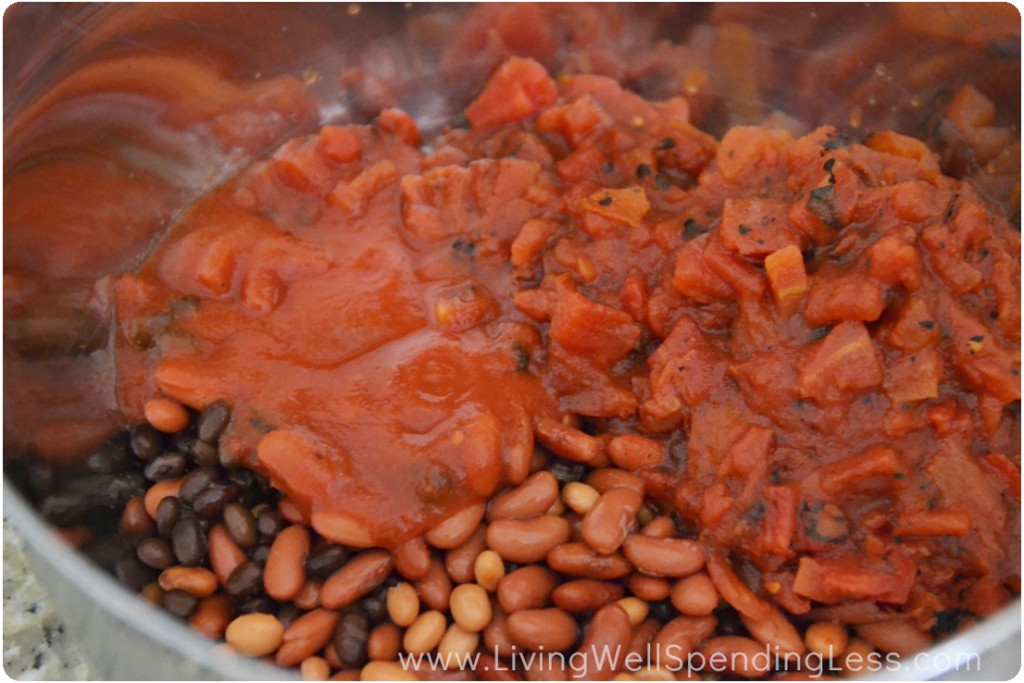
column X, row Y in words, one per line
column 133, row 573
column 256, row 603
column 104, row 490
column 325, row 559
column 374, row 605
column 566, row 471
column 212, row 421
column 663, row 611
column 168, row 511
column 210, row 502
column 729, row 622
column 188, row 542
column 287, row 614
column 196, row 481
column 111, row 457
column 260, row 553
column 245, row 581
column 269, row 523
column 258, row 491
column 166, row 466
column 64, row 508
column 179, row 603
column 41, row 476
column 204, row 453
column 107, row 551
column 350, row 638
column 156, row 553
column 240, row 525
column 183, row 441
column 241, row 477
column 145, row 442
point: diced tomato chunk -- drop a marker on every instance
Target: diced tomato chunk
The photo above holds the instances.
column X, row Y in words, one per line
column 517, row 89
column 339, row 144
column 845, row 297
column 915, row 377
column 586, row 327
column 627, row 205
column 757, row 227
column 787, row 277
column 832, row 580
column 844, row 360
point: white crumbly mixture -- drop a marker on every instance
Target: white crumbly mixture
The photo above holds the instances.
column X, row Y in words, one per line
column 36, row 648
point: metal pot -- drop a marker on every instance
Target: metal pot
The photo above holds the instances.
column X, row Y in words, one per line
column 124, row 637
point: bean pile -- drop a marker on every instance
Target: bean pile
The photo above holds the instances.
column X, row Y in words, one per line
column 573, row 559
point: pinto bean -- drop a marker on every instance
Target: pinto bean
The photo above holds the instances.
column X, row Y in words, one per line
column 666, row 557
column 649, row 588
column 585, row 595
column 742, row 656
column 424, row 634
column 490, row 668
column 531, row 498
column 659, row 527
column 565, row 441
column 457, row 529
column 435, row 588
column 488, row 570
column 412, row 559
column 608, row 478
column 403, row 604
column 196, row 581
column 636, row 608
column 212, row 616
column 496, row 636
column 643, row 634
column 285, row 570
column 386, row 671
column 529, row 587
column 607, row 524
column 695, row 595
column 314, row 669
column 826, row 639
column 225, row 555
column 527, row 540
column 384, row 642
column 361, row 575
column 460, row 562
column 580, row 560
column 579, row 497
column 470, row 606
column 610, row 631
column 255, row 635
column 678, row 637
column 550, row 629
column 895, row 635
column 166, row 414
column 457, row 645
column 306, row 636
column 134, row 520
column 633, row 452
column 334, row 526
